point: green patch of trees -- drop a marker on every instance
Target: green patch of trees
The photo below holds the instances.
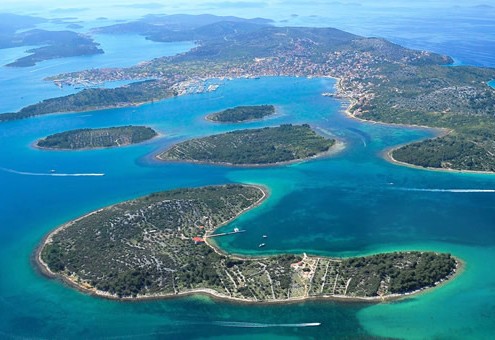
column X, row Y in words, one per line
column 93, row 99
column 97, row 138
column 253, row 146
column 452, row 151
column 242, row 113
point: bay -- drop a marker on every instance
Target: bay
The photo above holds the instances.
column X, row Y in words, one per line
column 351, row 204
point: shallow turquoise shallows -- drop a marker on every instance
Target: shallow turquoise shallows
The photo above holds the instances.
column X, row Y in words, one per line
column 352, row 203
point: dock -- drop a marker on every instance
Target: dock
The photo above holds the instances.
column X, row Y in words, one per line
column 225, row 234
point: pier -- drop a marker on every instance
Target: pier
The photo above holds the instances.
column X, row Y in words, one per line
column 236, row 231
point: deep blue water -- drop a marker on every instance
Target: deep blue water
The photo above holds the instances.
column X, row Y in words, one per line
column 352, row 203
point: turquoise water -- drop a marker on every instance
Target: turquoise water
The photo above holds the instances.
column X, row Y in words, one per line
column 25, row 86
column 353, row 203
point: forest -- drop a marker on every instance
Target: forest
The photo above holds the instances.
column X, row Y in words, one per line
column 157, row 244
column 242, row 113
column 94, row 99
column 263, row 146
column 97, row 138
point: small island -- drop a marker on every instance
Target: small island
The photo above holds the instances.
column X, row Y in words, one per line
column 250, row 147
column 240, row 114
column 161, row 245
column 97, row 138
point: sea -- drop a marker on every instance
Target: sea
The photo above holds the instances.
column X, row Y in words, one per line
column 353, row 203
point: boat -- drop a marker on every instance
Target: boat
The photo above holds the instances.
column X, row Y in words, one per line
column 264, row 236
column 261, row 245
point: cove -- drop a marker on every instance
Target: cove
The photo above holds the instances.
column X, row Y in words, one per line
column 353, row 203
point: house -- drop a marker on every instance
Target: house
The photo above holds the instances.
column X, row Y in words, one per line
column 198, row 239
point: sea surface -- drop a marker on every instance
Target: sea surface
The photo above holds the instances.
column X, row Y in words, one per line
column 351, row 204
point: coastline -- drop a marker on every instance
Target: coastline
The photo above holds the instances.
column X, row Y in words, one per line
column 72, row 281
column 208, row 118
column 45, row 270
column 336, row 148
column 387, row 154
column 35, row 145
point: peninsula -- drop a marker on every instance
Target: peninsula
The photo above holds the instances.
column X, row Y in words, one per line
column 97, row 138
column 53, row 44
column 266, row 146
column 242, row 113
column 96, row 99
column 160, row 246
column 382, row 81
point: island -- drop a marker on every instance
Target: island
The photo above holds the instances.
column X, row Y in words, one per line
column 251, row 147
column 242, row 113
column 381, row 81
column 53, row 45
column 97, row 138
column 162, row 245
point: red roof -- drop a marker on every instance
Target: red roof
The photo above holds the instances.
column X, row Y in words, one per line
column 198, row 239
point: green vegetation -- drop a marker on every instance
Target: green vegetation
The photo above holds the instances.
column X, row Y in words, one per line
column 145, row 247
column 242, row 114
column 253, row 146
column 61, row 44
column 94, row 99
column 399, row 272
column 97, row 138
column 391, row 83
column 455, row 98
column 122, row 247
column 449, row 152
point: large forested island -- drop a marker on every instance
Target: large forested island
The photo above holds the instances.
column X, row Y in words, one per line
column 242, row 113
column 383, row 81
column 97, row 138
column 161, row 245
column 265, row 146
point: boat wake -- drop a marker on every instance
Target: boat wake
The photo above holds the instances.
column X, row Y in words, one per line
column 54, row 174
column 263, row 325
column 450, row 190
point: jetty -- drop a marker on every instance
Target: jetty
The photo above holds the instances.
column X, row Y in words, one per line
column 236, row 231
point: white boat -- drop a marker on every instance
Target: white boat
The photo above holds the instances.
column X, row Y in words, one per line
column 261, row 245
